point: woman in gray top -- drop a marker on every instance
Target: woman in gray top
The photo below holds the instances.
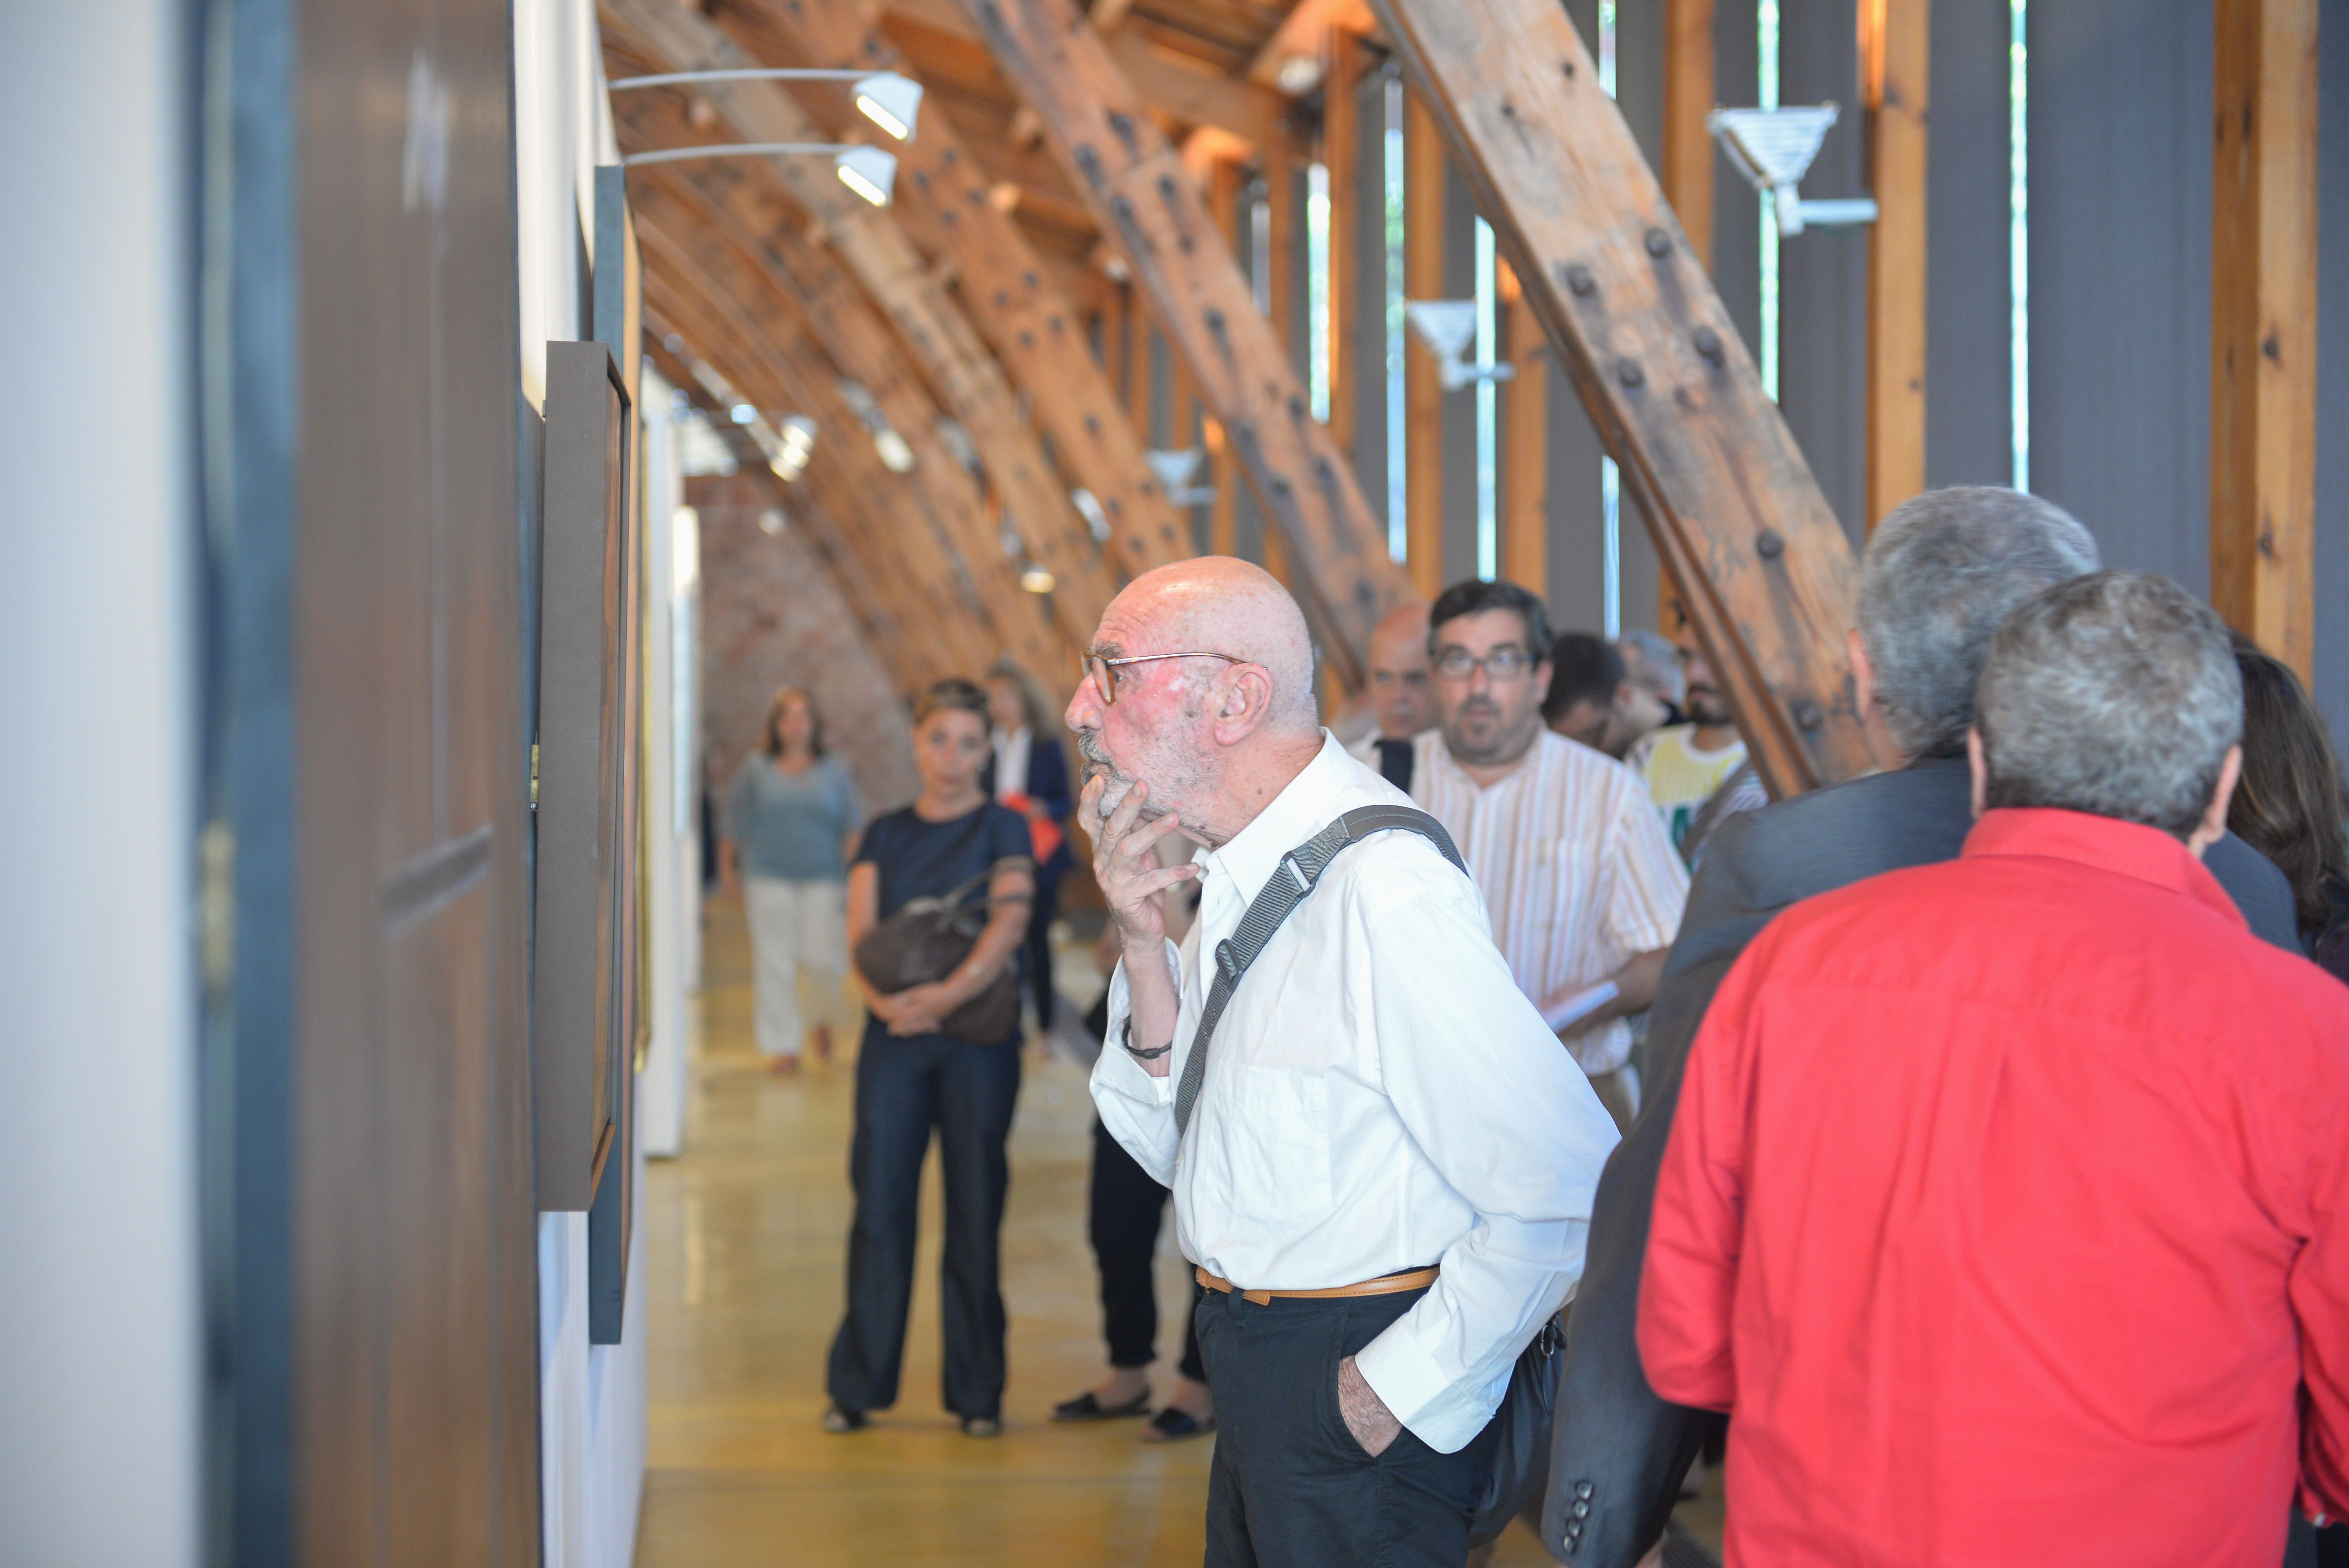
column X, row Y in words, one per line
column 790, row 820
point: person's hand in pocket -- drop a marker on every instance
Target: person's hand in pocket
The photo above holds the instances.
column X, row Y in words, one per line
column 1366, row 1415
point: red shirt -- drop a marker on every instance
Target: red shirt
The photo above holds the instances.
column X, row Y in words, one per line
column 2007, row 1208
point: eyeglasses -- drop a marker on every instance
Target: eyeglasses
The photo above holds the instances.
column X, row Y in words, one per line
column 1103, row 672
column 1505, row 663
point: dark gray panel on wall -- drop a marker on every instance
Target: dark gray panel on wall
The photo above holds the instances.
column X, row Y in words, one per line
column 2332, row 684
column 1363, row 312
column 1736, row 210
column 1576, row 590
column 1823, row 275
column 2120, row 275
column 1639, row 91
column 1459, row 408
column 1968, row 356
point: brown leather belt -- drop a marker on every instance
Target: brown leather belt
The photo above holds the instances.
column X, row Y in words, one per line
column 1385, row 1284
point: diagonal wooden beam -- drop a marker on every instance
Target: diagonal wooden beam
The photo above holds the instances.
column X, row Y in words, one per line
column 943, row 203
column 1140, row 191
column 915, row 575
column 1303, row 35
column 743, row 236
column 941, row 339
column 1734, row 511
column 1186, row 91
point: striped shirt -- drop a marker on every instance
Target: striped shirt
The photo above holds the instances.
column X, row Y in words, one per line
column 1679, row 777
column 1574, row 866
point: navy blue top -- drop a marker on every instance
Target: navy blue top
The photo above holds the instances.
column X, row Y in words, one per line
column 929, row 860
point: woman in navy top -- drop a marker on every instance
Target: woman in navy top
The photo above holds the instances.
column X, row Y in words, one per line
column 911, row 1078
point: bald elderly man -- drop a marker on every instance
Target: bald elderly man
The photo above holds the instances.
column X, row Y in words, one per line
column 1401, row 692
column 1386, row 1178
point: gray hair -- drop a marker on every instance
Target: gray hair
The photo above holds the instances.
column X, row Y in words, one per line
column 2114, row 693
column 1658, row 660
column 1940, row 573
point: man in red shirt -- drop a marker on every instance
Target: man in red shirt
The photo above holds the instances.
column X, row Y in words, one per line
column 2005, row 1204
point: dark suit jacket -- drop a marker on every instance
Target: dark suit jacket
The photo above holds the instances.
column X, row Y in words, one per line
column 1048, row 786
column 1615, row 1446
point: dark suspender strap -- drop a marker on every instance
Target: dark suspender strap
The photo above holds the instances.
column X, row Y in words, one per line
column 1299, row 872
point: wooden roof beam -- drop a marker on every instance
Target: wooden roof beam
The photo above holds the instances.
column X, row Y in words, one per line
column 916, row 578
column 876, row 252
column 1188, row 91
column 1304, row 35
column 1769, row 577
column 1140, row 193
column 1015, row 620
column 1016, row 301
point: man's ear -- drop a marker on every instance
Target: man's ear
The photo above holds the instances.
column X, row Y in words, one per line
column 1977, row 762
column 2213, row 825
column 1247, row 703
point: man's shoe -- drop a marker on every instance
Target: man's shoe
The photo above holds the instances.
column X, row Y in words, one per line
column 1085, row 1407
column 982, row 1427
column 839, row 1420
column 1174, row 1426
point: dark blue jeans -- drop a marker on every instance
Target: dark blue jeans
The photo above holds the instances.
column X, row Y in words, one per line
column 906, row 1087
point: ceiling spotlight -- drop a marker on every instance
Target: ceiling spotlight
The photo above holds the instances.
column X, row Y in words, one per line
column 1772, row 148
column 1036, row 580
column 770, row 522
column 1175, row 470
column 890, row 101
column 896, row 456
column 797, row 432
column 1448, row 326
column 1089, row 506
column 743, row 414
column 868, row 171
column 1298, row 75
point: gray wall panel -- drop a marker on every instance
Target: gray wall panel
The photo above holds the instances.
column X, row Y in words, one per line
column 1968, row 357
column 1459, row 408
column 1640, row 92
column 2332, row 685
column 1822, row 274
column 2120, row 275
column 1365, row 298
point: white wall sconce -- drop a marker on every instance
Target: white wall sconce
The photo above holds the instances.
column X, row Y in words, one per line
column 1774, row 147
column 1175, row 470
column 1448, row 326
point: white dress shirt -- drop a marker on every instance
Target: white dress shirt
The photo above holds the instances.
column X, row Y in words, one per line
column 1573, row 863
column 1011, row 748
column 1379, row 1095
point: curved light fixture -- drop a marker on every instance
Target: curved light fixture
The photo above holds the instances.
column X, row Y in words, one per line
column 890, row 101
column 867, row 170
column 1037, row 580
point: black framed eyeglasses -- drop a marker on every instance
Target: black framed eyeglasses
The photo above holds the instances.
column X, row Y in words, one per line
column 1102, row 671
column 1505, row 663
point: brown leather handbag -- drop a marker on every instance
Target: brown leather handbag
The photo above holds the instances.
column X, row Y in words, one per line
column 925, row 941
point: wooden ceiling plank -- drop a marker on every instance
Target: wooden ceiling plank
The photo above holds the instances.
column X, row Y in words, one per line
column 1012, row 295
column 827, row 332
column 2263, row 326
column 895, row 549
column 876, row 252
column 1130, row 176
column 1735, row 513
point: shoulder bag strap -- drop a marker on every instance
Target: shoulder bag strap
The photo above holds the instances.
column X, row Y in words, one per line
column 1299, row 871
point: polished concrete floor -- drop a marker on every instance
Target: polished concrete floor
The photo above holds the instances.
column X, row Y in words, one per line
column 747, row 1237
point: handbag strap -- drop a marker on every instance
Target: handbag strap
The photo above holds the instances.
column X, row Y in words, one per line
column 1291, row 883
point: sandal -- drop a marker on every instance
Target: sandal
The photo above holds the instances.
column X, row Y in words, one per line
column 1174, row 1426
column 1086, row 1407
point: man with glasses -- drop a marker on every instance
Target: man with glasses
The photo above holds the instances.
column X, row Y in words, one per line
column 1584, row 888
column 1383, row 1165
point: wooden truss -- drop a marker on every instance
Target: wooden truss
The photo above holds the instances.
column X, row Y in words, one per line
column 1767, row 576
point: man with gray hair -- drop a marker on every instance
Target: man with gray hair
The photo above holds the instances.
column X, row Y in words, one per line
column 1942, row 573
column 1382, row 1161
column 2022, row 1279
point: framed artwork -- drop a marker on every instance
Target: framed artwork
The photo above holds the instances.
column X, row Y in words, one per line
column 585, row 970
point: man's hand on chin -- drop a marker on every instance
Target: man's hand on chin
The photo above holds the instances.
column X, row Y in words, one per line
column 1366, row 1415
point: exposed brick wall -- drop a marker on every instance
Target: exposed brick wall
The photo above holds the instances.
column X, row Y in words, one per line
column 771, row 616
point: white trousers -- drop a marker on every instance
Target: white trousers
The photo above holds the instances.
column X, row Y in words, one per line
column 799, row 941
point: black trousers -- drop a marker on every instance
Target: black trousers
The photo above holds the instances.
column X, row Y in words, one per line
column 904, row 1087
column 1290, row 1487
column 1123, row 1211
column 1036, row 948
